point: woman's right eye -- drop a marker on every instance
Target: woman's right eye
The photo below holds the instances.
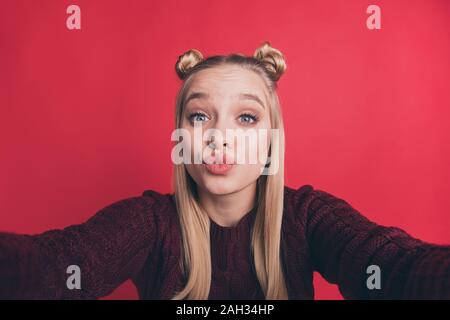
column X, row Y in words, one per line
column 198, row 117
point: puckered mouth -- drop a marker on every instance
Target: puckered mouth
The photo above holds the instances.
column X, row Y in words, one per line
column 218, row 163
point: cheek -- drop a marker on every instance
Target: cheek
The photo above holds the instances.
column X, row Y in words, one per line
column 253, row 149
column 248, row 172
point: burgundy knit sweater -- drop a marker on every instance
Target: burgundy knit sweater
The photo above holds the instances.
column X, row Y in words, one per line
column 139, row 238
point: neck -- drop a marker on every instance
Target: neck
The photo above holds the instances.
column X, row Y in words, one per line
column 228, row 209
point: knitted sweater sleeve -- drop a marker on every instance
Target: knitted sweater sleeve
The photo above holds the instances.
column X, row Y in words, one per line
column 84, row 261
column 351, row 251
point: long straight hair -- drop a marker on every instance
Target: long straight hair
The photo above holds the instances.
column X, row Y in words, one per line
column 194, row 222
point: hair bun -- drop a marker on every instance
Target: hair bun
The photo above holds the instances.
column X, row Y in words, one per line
column 272, row 59
column 187, row 61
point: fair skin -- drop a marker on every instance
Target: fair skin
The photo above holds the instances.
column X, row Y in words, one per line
column 226, row 97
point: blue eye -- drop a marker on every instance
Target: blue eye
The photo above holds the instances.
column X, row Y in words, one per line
column 247, row 118
column 198, row 117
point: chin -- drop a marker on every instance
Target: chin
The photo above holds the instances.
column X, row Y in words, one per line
column 219, row 186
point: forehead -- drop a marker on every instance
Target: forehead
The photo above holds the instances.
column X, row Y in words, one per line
column 228, row 82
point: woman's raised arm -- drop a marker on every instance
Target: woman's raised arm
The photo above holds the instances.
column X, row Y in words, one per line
column 351, row 251
column 105, row 251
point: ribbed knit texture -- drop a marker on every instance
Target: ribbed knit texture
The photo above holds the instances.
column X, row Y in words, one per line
column 139, row 238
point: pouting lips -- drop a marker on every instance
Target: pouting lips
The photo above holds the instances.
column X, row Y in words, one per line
column 218, row 169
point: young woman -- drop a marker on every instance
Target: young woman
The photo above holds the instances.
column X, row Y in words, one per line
column 231, row 230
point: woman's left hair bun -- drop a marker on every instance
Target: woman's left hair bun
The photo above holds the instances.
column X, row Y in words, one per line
column 187, row 61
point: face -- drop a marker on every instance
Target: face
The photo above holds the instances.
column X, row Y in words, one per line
column 226, row 103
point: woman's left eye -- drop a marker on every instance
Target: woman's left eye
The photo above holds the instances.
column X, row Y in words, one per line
column 248, row 118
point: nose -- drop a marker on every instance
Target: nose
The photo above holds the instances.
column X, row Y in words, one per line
column 216, row 146
column 217, row 134
column 214, row 142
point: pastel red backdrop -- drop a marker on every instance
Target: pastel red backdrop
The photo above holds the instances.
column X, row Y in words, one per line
column 86, row 115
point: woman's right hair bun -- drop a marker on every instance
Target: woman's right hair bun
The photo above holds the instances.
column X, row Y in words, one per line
column 187, row 61
column 272, row 59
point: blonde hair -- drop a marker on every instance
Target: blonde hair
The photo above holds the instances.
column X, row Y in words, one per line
column 269, row 63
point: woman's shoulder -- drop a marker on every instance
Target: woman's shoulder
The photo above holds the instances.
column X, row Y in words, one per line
column 148, row 208
column 290, row 192
column 303, row 202
column 307, row 194
column 295, row 198
column 158, row 198
column 160, row 204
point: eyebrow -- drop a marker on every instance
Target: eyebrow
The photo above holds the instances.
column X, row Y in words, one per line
column 251, row 96
column 196, row 95
column 242, row 96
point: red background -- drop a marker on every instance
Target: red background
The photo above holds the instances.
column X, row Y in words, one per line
column 86, row 115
